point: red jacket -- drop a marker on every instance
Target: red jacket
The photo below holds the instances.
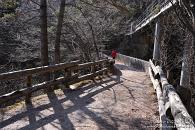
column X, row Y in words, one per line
column 113, row 53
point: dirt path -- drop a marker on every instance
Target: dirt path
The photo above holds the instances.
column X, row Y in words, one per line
column 123, row 102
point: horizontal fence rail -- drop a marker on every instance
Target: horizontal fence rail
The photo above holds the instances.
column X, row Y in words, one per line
column 133, row 62
column 37, row 70
column 73, row 72
column 168, row 99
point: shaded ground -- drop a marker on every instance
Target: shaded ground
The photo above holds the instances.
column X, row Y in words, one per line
column 123, row 102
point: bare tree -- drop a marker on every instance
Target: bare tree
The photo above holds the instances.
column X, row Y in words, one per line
column 58, row 32
column 44, row 36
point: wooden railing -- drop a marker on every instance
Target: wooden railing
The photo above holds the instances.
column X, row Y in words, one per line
column 169, row 102
column 72, row 73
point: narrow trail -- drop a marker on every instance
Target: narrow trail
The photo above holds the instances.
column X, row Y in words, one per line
column 126, row 101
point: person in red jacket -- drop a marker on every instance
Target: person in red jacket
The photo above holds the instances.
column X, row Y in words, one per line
column 113, row 54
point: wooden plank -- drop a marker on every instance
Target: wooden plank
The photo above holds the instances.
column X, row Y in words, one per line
column 37, row 70
column 162, row 111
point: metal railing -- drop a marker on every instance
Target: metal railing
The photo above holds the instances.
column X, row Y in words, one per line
column 150, row 13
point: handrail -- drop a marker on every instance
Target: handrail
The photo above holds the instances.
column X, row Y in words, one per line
column 38, row 70
column 71, row 75
column 162, row 110
column 171, row 100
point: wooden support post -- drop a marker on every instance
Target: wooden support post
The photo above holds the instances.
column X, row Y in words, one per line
column 68, row 75
column 93, row 68
column 156, row 51
column 29, row 84
column 185, row 75
column 106, row 66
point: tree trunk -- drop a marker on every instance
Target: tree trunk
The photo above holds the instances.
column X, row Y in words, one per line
column 93, row 36
column 94, row 40
column 193, row 46
column 95, row 44
column 58, row 32
column 44, row 39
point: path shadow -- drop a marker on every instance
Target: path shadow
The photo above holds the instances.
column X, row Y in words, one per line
column 32, row 116
column 64, row 121
column 142, row 124
column 60, row 113
column 80, row 103
column 117, row 72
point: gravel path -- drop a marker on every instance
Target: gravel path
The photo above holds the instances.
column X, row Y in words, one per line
column 123, row 102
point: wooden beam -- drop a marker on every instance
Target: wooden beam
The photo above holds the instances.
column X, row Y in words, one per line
column 37, row 70
column 164, row 125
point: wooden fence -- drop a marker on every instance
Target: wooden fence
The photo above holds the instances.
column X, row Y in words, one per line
column 72, row 73
column 169, row 102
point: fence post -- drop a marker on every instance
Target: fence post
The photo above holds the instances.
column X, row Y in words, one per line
column 29, row 84
column 93, row 68
column 68, row 74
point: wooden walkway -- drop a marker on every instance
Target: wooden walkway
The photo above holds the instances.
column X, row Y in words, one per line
column 126, row 101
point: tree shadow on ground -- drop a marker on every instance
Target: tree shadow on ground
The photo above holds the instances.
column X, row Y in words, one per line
column 142, row 124
column 61, row 114
column 80, row 99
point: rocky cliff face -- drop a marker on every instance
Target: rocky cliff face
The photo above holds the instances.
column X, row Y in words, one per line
column 139, row 45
